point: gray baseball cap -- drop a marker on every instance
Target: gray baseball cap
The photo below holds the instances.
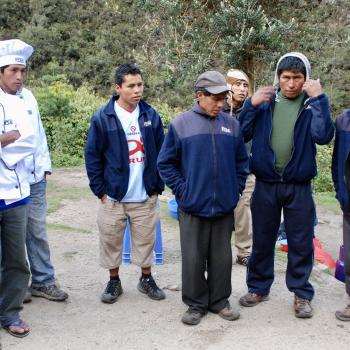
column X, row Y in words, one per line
column 212, row 81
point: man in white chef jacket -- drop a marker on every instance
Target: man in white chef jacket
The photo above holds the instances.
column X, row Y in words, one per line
column 38, row 165
column 17, row 142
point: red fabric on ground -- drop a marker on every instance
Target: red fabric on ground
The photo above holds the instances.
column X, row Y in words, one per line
column 319, row 254
column 322, row 256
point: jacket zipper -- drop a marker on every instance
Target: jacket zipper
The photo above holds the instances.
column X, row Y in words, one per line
column 215, row 162
column 143, row 138
column 274, row 155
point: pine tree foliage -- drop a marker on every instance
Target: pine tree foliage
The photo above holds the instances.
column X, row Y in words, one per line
column 249, row 38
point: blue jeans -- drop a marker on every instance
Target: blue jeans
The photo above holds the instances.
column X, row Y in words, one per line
column 14, row 271
column 38, row 250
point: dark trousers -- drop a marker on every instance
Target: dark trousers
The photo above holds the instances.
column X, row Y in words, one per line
column 346, row 240
column 206, row 248
column 297, row 203
column 14, row 275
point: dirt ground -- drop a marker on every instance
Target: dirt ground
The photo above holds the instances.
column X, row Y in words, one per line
column 136, row 322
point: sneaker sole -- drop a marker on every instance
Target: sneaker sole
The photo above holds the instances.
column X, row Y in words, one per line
column 38, row 294
column 140, row 289
column 340, row 317
column 304, row 315
column 244, row 303
column 229, row 318
column 111, row 300
column 192, row 322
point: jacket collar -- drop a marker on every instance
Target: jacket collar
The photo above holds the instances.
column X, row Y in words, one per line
column 235, row 111
column 198, row 110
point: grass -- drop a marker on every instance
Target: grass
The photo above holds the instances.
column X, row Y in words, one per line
column 57, row 193
column 327, row 200
column 70, row 255
column 67, row 228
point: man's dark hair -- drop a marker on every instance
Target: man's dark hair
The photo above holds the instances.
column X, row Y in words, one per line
column 293, row 64
column 205, row 92
column 123, row 70
column 2, row 69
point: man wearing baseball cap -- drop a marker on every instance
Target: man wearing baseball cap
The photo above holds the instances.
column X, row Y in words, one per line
column 17, row 141
column 203, row 161
column 14, row 55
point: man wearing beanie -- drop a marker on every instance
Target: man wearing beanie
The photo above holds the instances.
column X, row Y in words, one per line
column 38, row 165
column 17, row 141
column 204, row 161
column 239, row 85
column 285, row 122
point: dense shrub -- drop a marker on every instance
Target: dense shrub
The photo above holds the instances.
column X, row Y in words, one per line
column 323, row 181
column 66, row 114
column 166, row 112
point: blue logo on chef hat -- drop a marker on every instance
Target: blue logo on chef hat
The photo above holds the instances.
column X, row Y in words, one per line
column 19, row 60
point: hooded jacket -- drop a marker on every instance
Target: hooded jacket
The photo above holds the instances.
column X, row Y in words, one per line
column 203, row 161
column 107, row 152
column 341, row 161
column 313, row 126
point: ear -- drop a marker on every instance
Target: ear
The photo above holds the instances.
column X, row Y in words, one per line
column 199, row 94
column 116, row 88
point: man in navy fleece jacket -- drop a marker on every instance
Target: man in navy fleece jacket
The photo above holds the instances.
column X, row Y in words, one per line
column 203, row 160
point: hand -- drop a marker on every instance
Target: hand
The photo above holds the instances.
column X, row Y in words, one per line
column 263, row 94
column 312, row 87
column 9, row 137
column 104, row 199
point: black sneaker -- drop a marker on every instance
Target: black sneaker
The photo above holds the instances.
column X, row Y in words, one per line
column 242, row 260
column 112, row 292
column 148, row 286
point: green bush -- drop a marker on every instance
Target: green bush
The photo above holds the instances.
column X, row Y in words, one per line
column 323, row 181
column 166, row 112
column 66, row 114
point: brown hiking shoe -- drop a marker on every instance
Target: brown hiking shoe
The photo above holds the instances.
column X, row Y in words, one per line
column 343, row 315
column 191, row 318
column 228, row 313
column 252, row 299
column 302, row 308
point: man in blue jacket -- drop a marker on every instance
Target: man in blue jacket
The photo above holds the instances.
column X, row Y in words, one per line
column 285, row 122
column 203, row 161
column 341, row 179
column 121, row 152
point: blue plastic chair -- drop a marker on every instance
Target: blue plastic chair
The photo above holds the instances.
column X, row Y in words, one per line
column 158, row 245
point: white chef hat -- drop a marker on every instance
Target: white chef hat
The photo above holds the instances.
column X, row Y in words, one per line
column 14, row 51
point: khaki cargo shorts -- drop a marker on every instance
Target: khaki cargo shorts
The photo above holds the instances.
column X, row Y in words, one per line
column 112, row 219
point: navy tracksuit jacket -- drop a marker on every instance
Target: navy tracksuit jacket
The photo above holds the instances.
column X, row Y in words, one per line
column 290, row 191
